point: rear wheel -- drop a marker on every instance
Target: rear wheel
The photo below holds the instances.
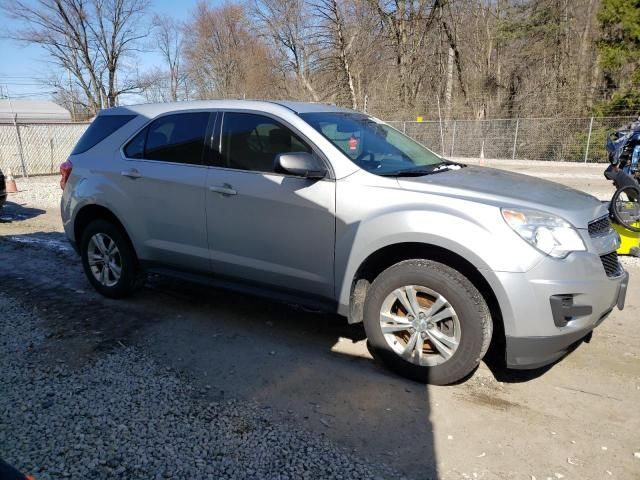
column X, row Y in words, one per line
column 427, row 321
column 109, row 260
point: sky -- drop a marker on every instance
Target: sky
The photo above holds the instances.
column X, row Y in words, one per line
column 23, row 67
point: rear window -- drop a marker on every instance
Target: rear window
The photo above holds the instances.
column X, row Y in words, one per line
column 100, row 128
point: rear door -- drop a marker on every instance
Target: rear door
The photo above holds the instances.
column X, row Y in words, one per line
column 164, row 176
column 268, row 227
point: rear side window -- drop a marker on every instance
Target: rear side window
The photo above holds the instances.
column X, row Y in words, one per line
column 135, row 148
column 100, row 128
column 176, row 138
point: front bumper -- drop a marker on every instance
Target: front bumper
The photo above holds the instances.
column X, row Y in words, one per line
column 534, row 336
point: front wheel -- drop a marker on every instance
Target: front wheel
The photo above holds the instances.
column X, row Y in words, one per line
column 427, row 322
column 109, row 260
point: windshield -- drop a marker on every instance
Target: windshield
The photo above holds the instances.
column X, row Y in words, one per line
column 373, row 145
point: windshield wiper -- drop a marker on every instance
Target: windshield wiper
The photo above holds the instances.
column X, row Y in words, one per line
column 422, row 170
column 408, row 173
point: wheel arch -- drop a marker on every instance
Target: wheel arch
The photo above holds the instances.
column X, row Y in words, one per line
column 389, row 255
column 91, row 212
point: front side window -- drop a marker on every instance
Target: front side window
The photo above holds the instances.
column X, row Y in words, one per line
column 100, row 128
column 251, row 142
column 176, row 138
column 372, row 145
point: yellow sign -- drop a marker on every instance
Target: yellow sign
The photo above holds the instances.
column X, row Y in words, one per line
column 419, row 119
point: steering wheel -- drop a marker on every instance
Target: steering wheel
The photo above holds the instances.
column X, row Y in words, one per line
column 625, row 207
column 365, row 153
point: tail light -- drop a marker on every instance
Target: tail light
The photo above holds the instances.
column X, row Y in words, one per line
column 65, row 171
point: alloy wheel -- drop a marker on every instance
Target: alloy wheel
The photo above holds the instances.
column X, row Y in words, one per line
column 420, row 325
column 104, row 259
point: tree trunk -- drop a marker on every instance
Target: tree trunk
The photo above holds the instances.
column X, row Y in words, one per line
column 584, row 65
column 307, row 85
column 401, row 36
column 344, row 60
column 448, row 93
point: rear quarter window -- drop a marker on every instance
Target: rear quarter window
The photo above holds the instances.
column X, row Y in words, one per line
column 100, row 128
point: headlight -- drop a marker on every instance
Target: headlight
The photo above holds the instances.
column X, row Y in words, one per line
column 546, row 232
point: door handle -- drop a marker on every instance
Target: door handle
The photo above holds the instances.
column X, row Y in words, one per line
column 225, row 189
column 131, row 173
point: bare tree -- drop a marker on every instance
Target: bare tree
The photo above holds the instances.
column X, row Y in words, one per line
column 335, row 47
column 87, row 38
column 407, row 23
column 287, row 24
column 168, row 38
column 474, row 58
column 225, row 57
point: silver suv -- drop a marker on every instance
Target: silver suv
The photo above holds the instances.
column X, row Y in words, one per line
column 336, row 210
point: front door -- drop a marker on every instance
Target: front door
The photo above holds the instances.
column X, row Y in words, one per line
column 267, row 227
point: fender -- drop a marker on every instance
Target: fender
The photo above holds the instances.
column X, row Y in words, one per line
column 84, row 191
column 488, row 251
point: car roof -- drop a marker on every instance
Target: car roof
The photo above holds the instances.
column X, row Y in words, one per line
column 273, row 106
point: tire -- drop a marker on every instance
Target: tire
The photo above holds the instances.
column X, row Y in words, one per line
column 625, row 207
column 131, row 276
column 461, row 315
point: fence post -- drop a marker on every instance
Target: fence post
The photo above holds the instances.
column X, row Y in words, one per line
column 441, row 131
column 453, row 137
column 20, row 151
column 586, row 150
column 515, row 139
column 366, row 101
column 404, row 127
column 51, row 153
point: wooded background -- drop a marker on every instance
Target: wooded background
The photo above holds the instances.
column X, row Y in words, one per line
column 398, row 59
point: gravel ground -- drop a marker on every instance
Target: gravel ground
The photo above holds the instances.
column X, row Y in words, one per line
column 43, row 192
column 124, row 416
column 630, row 262
column 130, row 412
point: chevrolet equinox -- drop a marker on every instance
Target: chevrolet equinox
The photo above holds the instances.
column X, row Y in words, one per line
column 333, row 209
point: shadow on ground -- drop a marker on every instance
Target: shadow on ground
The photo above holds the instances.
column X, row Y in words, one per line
column 309, row 368
column 14, row 212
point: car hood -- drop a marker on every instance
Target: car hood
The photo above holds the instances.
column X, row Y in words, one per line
column 508, row 189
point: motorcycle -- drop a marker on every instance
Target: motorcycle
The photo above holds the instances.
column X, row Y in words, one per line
column 623, row 147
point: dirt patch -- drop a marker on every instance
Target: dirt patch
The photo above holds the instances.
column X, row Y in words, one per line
column 485, row 399
column 79, row 323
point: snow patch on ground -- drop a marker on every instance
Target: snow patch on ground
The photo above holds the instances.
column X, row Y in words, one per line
column 49, row 244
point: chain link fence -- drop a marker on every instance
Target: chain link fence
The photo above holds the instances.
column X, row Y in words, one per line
column 39, row 149
column 546, row 139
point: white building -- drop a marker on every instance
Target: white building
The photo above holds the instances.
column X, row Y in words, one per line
column 32, row 111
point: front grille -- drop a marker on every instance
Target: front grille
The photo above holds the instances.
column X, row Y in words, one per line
column 611, row 265
column 601, row 226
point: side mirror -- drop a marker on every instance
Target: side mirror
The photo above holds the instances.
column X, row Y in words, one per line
column 302, row 164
